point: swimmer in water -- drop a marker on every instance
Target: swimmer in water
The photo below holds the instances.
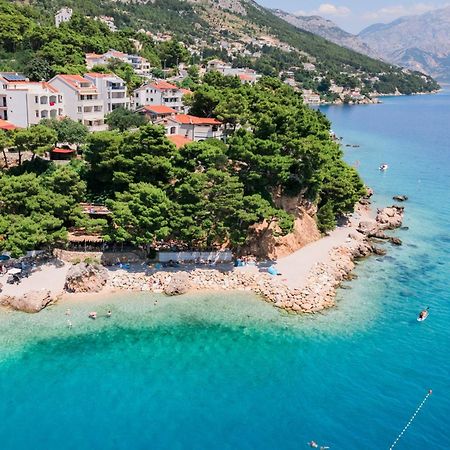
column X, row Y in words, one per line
column 68, row 312
column 69, row 324
column 108, row 314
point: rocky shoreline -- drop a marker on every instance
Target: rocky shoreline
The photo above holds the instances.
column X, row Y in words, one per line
column 318, row 293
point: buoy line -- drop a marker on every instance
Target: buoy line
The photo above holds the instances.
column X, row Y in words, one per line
column 411, row 420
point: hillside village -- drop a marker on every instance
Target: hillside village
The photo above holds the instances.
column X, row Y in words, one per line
column 89, row 98
column 208, row 138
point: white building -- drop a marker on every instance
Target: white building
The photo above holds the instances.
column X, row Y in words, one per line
column 108, row 21
column 82, row 100
column 112, row 90
column 26, row 103
column 245, row 75
column 310, row 97
column 160, row 93
column 192, row 127
column 140, row 65
column 63, row 15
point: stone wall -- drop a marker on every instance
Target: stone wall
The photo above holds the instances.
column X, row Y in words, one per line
column 106, row 258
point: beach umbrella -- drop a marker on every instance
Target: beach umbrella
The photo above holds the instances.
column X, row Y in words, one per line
column 14, row 271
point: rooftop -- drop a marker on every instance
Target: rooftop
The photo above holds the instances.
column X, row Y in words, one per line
column 5, row 125
column 179, row 140
column 186, row 119
column 159, row 109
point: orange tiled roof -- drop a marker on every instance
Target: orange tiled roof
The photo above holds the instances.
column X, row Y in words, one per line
column 163, row 85
column 159, row 109
column 73, row 80
column 5, row 125
column 187, row 119
column 179, row 140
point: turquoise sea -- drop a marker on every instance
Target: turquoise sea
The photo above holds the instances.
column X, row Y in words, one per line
column 232, row 372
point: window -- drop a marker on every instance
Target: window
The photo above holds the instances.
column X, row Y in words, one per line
column 79, row 109
column 173, row 130
column 36, row 99
column 37, row 113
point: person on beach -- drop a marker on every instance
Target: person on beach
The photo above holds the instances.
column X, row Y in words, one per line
column 92, row 315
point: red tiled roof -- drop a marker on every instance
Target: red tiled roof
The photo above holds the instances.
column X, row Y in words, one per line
column 5, row 125
column 186, row 91
column 194, row 120
column 179, row 140
column 62, row 150
column 245, row 76
column 93, row 55
column 73, row 80
column 159, row 109
column 163, row 85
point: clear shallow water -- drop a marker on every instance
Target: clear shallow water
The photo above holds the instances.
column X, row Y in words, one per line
column 233, row 372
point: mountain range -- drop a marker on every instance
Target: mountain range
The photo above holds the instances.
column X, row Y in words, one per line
column 419, row 43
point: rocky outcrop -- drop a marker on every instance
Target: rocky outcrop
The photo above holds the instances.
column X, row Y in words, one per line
column 31, row 302
column 264, row 242
column 85, row 277
column 390, row 217
column 178, row 283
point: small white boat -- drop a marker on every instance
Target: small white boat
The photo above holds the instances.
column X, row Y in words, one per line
column 383, row 167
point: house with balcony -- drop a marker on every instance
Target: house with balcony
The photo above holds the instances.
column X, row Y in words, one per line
column 111, row 89
column 26, row 103
column 82, row 100
column 159, row 93
column 192, row 128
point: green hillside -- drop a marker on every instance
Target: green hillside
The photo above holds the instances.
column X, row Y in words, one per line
column 204, row 25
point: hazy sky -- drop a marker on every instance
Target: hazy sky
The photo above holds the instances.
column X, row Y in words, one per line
column 354, row 15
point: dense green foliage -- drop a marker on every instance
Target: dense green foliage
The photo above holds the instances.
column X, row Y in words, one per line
column 205, row 194
column 123, row 119
column 36, row 210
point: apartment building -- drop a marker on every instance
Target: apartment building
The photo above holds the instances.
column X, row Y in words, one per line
column 26, row 103
column 159, row 93
column 112, row 90
column 82, row 100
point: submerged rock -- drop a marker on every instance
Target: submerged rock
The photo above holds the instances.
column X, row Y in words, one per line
column 400, row 198
column 85, row 277
column 31, row 302
column 395, row 241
